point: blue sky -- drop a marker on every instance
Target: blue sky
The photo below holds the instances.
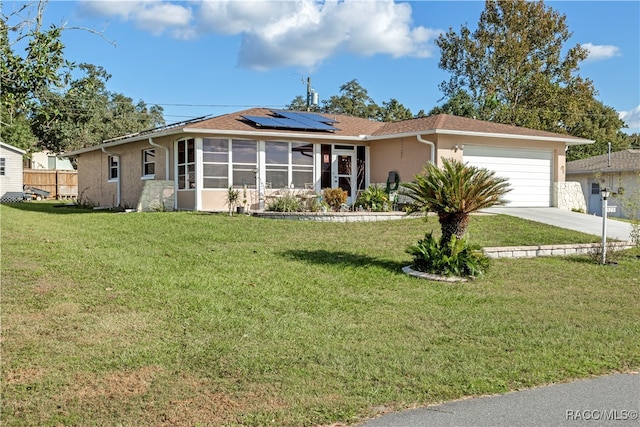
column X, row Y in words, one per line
column 199, row 58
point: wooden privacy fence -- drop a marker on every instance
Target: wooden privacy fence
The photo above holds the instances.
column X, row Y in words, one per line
column 61, row 184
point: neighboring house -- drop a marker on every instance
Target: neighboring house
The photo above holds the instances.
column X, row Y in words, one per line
column 48, row 160
column 52, row 173
column 619, row 172
column 194, row 162
column 10, row 173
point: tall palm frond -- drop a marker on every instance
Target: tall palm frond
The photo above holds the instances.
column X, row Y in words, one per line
column 455, row 191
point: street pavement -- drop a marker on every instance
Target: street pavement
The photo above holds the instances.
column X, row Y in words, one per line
column 612, row 400
column 585, row 223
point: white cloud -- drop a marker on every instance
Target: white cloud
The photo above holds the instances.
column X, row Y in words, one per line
column 631, row 118
column 600, row 52
column 153, row 16
column 285, row 33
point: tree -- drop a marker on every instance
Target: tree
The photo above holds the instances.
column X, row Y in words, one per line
column 392, row 111
column 515, row 69
column 39, row 92
column 601, row 124
column 299, row 103
column 355, row 101
column 453, row 192
column 23, row 78
column 85, row 113
column 352, row 101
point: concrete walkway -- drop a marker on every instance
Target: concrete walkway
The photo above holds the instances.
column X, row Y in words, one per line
column 585, row 223
column 612, row 400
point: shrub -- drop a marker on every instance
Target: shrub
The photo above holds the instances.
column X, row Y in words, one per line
column 334, row 197
column 287, row 203
column 374, row 198
column 453, row 258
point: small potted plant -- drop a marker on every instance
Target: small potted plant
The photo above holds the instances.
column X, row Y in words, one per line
column 232, row 199
column 242, row 208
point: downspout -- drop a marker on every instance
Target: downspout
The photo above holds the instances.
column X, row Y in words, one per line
column 433, row 147
column 166, row 157
column 109, row 153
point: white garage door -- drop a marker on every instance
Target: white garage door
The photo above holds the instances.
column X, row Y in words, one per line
column 529, row 172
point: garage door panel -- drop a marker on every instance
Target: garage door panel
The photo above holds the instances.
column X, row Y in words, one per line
column 529, row 172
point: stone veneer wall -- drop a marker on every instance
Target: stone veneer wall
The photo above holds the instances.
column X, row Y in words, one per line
column 334, row 216
column 157, row 195
column 569, row 196
column 552, row 250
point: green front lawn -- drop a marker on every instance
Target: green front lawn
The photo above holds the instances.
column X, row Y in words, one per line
column 198, row 319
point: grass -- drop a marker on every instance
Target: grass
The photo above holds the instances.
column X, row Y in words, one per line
column 197, row 319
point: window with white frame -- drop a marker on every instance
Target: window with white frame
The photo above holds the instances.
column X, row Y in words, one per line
column 3, row 166
column 288, row 164
column 215, row 162
column 148, row 163
column 113, row 167
column 186, row 164
column 244, row 158
column 301, row 164
column 277, row 164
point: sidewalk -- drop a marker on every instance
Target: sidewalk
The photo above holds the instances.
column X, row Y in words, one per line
column 612, row 400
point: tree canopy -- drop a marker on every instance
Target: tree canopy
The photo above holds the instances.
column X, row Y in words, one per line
column 354, row 100
column 43, row 102
column 515, row 69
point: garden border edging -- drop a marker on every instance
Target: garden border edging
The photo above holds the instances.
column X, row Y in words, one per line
column 552, row 250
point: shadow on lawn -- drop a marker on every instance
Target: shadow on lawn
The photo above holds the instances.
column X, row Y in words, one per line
column 342, row 258
column 51, row 207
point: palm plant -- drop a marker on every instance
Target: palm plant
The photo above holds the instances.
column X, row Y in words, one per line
column 453, row 192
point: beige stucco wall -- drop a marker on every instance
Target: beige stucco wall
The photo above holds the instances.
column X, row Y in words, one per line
column 94, row 186
column 406, row 156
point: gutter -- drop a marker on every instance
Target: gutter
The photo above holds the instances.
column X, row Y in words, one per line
column 433, row 147
column 166, row 157
column 119, row 174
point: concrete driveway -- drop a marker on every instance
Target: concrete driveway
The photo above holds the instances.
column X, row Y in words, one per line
column 585, row 223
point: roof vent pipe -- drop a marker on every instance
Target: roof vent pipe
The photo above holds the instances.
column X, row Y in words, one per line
column 609, row 155
column 118, row 172
column 166, row 157
column 433, row 147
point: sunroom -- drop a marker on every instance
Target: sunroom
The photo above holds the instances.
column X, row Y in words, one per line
column 263, row 168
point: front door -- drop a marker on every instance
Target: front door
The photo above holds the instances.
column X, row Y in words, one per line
column 344, row 172
column 595, row 199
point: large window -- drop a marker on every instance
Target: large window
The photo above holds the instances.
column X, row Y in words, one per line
column 288, row 164
column 148, row 163
column 277, row 164
column 186, row 164
column 215, row 158
column 245, row 161
column 301, row 164
column 113, row 168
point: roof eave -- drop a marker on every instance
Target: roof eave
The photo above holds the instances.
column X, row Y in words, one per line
column 566, row 140
column 219, row 132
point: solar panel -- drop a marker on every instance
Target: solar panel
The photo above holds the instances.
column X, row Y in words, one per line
column 293, row 120
column 263, row 121
column 309, row 120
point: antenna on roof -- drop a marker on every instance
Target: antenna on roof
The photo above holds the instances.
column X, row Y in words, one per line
column 312, row 95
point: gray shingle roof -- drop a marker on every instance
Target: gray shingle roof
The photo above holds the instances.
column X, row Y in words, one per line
column 621, row 161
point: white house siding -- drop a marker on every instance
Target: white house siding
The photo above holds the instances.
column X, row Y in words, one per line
column 11, row 182
column 529, row 171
